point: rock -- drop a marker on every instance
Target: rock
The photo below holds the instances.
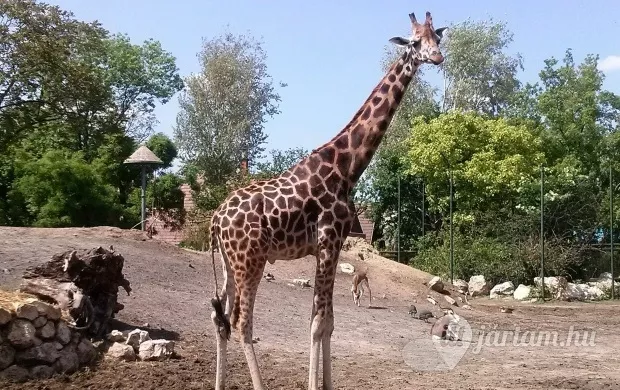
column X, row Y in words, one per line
column 86, row 351
column 347, row 268
column 39, row 321
column 450, row 300
column 63, row 333
column 156, row 349
column 22, row 334
column 467, row 307
column 555, row 285
column 436, row 284
column 302, row 282
column 26, row 311
column 122, row 352
column 478, row 286
column 502, row 290
column 522, row 292
column 68, row 361
column 41, row 372
column 47, row 331
column 116, row 336
column 137, row 337
column 58, row 345
column 7, row 356
column 45, row 353
column 14, row 373
column 47, row 310
column 582, row 292
column 605, row 275
column 5, row 316
column 461, row 286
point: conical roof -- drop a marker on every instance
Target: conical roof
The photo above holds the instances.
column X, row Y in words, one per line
column 143, row 155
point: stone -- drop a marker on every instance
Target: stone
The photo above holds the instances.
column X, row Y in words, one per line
column 63, row 333
column 68, row 362
column 86, row 351
column 346, row 268
column 461, row 286
column 302, row 282
column 122, row 352
column 22, row 334
column 14, row 373
column 26, row 311
column 554, row 285
column 522, row 292
column 137, row 337
column 7, row 356
column 41, row 372
column 502, row 290
column 39, row 321
column 478, row 286
column 45, row 353
column 605, row 275
column 450, row 300
column 5, row 316
column 436, row 284
column 116, row 336
column 47, row 310
column 156, row 350
column 47, row 331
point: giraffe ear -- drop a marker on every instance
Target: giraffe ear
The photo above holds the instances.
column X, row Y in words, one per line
column 440, row 31
column 400, row 41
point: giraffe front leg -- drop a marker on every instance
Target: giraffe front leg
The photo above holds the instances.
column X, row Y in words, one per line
column 322, row 322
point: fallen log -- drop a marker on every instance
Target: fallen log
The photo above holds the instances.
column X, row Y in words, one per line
column 83, row 284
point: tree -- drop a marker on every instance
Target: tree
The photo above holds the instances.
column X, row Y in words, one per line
column 280, row 161
column 68, row 86
column 224, row 108
column 479, row 75
column 61, row 189
column 164, row 148
column 491, row 160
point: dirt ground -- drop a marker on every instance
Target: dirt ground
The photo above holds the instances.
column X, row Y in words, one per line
column 377, row 347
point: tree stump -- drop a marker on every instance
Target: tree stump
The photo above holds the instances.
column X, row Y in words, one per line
column 83, row 284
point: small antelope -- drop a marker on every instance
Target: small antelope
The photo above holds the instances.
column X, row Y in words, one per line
column 357, row 289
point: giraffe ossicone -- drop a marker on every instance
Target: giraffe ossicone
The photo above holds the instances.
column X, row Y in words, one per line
column 306, row 210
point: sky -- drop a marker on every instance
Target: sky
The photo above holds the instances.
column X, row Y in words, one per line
column 329, row 52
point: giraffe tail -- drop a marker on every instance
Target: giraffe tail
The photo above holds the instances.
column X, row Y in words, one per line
column 217, row 302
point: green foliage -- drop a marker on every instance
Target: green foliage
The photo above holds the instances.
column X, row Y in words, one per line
column 73, row 90
column 224, row 108
column 164, row 148
column 280, row 161
column 490, row 159
column 61, row 189
column 479, row 75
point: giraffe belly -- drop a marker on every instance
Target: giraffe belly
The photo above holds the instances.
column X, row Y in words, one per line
column 293, row 246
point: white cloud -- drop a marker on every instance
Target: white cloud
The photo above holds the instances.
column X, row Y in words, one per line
column 609, row 64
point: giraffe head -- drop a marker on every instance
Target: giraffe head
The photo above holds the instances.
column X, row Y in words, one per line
column 424, row 40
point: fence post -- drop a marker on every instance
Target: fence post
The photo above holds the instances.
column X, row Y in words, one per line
column 398, row 225
column 451, row 233
column 542, row 233
column 611, row 226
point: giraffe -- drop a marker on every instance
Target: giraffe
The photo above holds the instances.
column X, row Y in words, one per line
column 307, row 210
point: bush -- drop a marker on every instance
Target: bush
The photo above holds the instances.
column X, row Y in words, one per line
column 61, row 189
column 498, row 259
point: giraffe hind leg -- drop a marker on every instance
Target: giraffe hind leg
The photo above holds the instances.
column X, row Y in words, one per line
column 221, row 319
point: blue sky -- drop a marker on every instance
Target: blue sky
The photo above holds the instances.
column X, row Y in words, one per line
column 329, row 52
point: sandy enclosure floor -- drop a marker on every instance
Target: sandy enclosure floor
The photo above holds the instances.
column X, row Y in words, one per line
column 373, row 348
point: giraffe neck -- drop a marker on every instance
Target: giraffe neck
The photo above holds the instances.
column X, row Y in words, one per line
column 351, row 150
